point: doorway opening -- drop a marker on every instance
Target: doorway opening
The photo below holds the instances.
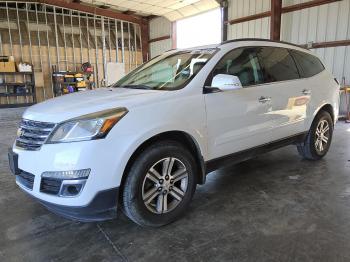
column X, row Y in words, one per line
column 202, row 29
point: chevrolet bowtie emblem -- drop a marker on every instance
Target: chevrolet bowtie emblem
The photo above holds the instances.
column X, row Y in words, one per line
column 20, row 132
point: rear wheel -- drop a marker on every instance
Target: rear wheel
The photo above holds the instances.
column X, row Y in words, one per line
column 318, row 140
column 160, row 184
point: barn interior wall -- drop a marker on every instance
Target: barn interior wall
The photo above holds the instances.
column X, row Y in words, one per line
column 31, row 33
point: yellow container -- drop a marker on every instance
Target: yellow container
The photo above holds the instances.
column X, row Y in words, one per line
column 81, row 84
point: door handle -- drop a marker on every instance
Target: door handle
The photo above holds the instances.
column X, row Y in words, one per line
column 264, row 99
column 306, row 92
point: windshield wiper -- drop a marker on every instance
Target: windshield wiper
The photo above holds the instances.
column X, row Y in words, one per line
column 135, row 86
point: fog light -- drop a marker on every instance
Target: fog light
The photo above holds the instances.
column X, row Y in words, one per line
column 67, row 175
column 69, row 189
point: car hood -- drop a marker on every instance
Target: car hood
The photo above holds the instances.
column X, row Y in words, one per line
column 73, row 105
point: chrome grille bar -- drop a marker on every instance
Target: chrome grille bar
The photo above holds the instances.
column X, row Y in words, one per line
column 32, row 135
column 36, row 128
column 26, row 141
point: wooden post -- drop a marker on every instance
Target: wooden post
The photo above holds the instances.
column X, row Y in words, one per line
column 276, row 11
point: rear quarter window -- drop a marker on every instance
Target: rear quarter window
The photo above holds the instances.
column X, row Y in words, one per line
column 308, row 65
column 278, row 64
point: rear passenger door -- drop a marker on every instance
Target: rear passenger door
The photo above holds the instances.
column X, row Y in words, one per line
column 289, row 99
column 310, row 67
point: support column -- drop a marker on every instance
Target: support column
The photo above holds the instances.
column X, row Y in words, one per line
column 224, row 21
column 173, row 35
column 276, row 12
column 145, row 39
column 224, row 18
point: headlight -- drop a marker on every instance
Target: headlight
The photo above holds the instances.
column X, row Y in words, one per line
column 87, row 127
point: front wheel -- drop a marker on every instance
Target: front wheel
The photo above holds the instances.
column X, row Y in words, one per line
column 319, row 138
column 160, row 184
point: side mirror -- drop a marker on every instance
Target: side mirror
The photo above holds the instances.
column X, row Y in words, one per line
column 226, row 82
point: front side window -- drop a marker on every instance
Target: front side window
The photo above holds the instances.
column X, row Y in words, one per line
column 309, row 65
column 278, row 65
column 243, row 63
column 167, row 71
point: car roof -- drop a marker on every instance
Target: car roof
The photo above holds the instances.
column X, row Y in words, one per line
column 252, row 41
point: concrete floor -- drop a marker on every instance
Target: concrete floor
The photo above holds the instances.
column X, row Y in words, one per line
column 272, row 208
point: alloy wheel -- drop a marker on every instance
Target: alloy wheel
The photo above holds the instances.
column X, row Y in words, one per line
column 165, row 185
column 322, row 136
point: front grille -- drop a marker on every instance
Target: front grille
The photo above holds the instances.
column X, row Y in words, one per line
column 26, row 179
column 32, row 135
column 50, row 186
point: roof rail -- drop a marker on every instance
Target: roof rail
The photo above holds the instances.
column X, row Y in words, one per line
column 262, row 39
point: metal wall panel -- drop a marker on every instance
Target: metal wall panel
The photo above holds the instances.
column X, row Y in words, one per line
column 159, row 27
column 259, row 28
column 159, row 47
column 323, row 23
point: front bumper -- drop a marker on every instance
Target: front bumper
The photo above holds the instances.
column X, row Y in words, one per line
column 102, row 207
column 106, row 165
column 99, row 197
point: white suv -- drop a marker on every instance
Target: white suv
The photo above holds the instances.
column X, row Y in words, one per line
column 145, row 142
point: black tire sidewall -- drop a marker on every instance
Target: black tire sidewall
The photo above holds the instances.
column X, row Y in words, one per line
column 133, row 194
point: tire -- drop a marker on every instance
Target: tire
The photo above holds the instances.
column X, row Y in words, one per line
column 154, row 177
column 311, row 149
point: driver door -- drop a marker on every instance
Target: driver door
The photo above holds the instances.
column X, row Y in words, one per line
column 238, row 119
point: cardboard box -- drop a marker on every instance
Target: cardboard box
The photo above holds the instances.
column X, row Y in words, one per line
column 7, row 67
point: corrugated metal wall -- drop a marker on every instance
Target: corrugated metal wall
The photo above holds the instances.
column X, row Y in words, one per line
column 259, row 28
column 324, row 23
column 159, row 27
column 328, row 22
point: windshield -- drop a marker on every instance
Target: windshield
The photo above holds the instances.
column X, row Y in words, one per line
column 167, row 71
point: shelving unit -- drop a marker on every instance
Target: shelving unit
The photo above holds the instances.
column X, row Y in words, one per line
column 61, row 81
column 22, row 90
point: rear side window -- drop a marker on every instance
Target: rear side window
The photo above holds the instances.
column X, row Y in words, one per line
column 309, row 65
column 278, row 64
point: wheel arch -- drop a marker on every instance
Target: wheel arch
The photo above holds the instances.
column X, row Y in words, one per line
column 179, row 136
column 328, row 108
